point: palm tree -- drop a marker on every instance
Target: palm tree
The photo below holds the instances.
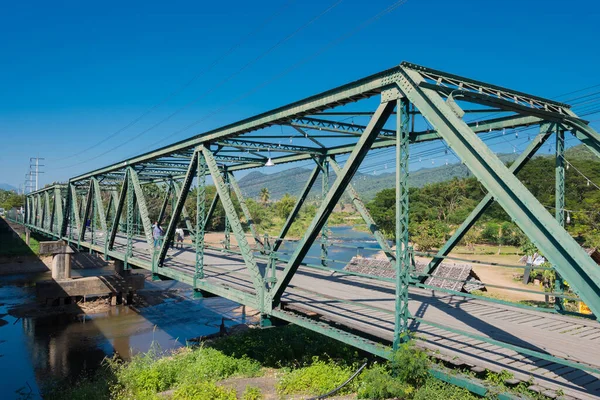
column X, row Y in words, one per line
column 264, row 195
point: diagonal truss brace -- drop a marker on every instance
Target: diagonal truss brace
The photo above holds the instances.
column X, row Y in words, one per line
column 99, row 206
column 119, row 205
column 487, row 201
column 570, row 259
column 86, row 212
column 141, row 202
column 381, row 115
column 238, row 193
column 362, row 210
column 247, row 254
column 179, row 207
column 301, row 199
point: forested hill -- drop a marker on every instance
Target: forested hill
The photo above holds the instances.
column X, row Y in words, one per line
column 293, row 180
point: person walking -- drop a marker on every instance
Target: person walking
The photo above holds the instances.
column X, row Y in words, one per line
column 179, row 234
column 156, row 234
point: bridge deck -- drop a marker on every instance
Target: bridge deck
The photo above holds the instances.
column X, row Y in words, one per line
column 366, row 305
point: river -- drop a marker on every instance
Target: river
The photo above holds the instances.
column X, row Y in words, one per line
column 35, row 349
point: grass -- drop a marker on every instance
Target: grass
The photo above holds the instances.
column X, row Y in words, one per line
column 308, row 365
column 12, row 245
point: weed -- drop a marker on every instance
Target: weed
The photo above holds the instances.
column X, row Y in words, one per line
column 410, row 364
column 203, row 391
column 252, row 393
column 377, row 383
column 316, row 379
column 434, row 389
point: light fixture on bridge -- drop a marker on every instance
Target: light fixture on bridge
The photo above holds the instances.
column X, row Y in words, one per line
column 269, row 162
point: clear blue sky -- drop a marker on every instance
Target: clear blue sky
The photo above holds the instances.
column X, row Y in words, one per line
column 72, row 73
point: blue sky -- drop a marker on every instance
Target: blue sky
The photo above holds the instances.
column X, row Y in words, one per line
column 73, row 72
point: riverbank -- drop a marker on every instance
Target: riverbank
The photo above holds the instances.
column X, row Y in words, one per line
column 286, row 362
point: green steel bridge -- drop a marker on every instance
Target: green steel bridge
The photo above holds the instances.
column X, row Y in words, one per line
column 106, row 211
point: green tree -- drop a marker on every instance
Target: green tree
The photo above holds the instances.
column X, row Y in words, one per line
column 264, row 195
column 284, row 206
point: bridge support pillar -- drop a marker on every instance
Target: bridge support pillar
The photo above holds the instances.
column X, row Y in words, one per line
column 120, row 268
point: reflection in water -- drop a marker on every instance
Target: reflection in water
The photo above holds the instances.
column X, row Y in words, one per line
column 66, row 346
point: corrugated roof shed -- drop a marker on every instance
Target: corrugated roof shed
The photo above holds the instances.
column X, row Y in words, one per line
column 457, row 277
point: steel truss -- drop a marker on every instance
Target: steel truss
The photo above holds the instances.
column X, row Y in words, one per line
column 407, row 91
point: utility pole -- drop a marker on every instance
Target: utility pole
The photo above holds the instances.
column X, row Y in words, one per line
column 34, row 168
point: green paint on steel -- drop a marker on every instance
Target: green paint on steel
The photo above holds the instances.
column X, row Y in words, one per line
column 297, row 206
column 325, row 228
column 200, row 217
column 559, row 194
column 488, row 200
column 86, row 212
column 186, row 216
column 120, row 203
column 99, row 206
column 163, row 207
column 238, row 193
column 544, row 231
column 141, row 206
column 351, row 166
column 402, row 262
column 177, row 210
column 366, row 215
column 236, row 225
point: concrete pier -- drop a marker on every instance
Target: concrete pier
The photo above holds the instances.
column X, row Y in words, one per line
column 121, row 289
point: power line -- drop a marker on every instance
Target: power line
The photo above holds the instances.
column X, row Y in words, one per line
column 215, row 87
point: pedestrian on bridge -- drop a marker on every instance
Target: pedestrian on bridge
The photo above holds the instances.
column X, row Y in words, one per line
column 179, row 234
column 157, row 232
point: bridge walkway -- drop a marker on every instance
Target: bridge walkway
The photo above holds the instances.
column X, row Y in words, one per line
column 367, row 306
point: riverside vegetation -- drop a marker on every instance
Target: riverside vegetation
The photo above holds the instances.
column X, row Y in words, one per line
column 294, row 361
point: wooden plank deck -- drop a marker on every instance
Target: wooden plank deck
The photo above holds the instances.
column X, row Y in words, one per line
column 366, row 305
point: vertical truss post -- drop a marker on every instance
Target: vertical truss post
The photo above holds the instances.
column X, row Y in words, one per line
column 46, row 213
column 75, row 211
column 200, row 217
column 227, row 222
column 141, row 206
column 238, row 193
column 92, row 215
column 120, row 203
column 572, row 262
column 58, row 207
column 325, row 229
column 86, row 212
column 402, row 252
column 357, row 155
column 187, row 183
column 487, row 201
column 67, row 219
column 52, row 211
column 130, row 217
column 559, row 203
column 236, row 225
column 301, row 199
column 362, row 210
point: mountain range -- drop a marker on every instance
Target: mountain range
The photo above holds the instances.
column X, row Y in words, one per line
column 293, row 180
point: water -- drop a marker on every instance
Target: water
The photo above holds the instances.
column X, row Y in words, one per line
column 362, row 243
column 64, row 346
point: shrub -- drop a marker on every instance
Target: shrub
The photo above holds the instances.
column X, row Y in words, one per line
column 252, row 393
column 434, row 389
column 410, row 364
column 377, row 383
column 316, row 379
column 203, row 391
